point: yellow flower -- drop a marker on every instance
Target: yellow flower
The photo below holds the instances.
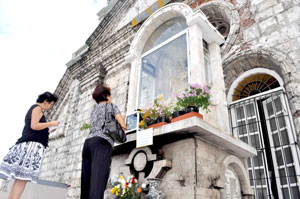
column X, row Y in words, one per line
column 160, row 98
column 113, row 191
column 146, row 114
column 141, row 123
column 142, row 109
column 122, row 178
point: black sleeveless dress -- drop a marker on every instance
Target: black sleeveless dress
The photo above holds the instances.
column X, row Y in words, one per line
column 29, row 134
column 24, row 159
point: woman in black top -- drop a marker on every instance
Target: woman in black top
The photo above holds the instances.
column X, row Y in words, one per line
column 96, row 153
column 23, row 160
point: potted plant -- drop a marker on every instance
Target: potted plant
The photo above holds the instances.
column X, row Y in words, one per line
column 193, row 98
column 190, row 101
column 157, row 112
column 177, row 111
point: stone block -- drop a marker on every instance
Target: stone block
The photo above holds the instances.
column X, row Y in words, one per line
column 251, row 33
column 256, row 2
column 279, row 8
column 293, row 14
column 292, row 31
column 266, row 4
column 264, row 15
column 267, row 26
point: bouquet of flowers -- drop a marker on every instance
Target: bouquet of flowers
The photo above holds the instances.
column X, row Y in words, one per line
column 126, row 188
column 196, row 96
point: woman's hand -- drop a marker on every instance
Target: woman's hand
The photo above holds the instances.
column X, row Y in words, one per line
column 124, row 128
column 54, row 123
column 121, row 121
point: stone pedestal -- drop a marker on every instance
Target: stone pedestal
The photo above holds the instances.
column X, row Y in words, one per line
column 193, row 159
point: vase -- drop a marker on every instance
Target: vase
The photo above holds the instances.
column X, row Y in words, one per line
column 189, row 109
column 154, row 192
column 177, row 113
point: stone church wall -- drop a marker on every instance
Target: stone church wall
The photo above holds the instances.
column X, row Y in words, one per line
column 266, row 35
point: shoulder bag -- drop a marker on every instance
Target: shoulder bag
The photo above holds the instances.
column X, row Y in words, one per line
column 112, row 127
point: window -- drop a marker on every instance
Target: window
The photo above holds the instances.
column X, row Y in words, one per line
column 164, row 63
column 207, row 63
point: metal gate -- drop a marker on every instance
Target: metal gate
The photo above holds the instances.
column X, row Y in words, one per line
column 264, row 121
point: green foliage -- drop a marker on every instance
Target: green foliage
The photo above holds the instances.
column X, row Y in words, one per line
column 195, row 95
column 158, row 108
column 85, row 126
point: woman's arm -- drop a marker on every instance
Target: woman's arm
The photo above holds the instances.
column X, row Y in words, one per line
column 36, row 115
column 121, row 121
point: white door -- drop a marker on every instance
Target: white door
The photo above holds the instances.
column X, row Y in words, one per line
column 283, row 147
column 246, row 126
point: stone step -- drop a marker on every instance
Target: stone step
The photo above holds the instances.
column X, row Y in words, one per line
column 42, row 189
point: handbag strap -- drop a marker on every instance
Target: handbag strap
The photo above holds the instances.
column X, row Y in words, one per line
column 105, row 113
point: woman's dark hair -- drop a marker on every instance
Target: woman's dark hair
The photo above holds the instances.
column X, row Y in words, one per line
column 101, row 93
column 49, row 97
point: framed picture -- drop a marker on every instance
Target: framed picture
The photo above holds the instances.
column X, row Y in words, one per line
column 132, row 122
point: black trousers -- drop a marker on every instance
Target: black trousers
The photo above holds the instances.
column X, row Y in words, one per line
column 96, row 159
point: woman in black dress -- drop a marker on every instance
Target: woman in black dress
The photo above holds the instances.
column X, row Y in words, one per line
column 23, row 160
column 96, row 154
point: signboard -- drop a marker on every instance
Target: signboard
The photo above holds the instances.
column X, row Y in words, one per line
column 149, row 11
column 132, row 122
column 144, row 138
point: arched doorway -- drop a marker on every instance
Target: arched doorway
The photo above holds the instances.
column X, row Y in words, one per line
column 260, row 116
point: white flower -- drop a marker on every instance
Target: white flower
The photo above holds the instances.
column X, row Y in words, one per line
column 130, row 185
column 143, row 185
column 118, row 186
column 123, row 182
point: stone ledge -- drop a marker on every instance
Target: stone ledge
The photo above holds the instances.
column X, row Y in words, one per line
column 206, row 132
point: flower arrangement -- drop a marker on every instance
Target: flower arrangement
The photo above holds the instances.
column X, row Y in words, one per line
column 159, row 108
column 196, row 96
column 126, row 188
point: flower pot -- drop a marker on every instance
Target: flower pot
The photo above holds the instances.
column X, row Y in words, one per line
column 151, row 122
column 187, row 115
column 162, row 119
column 191, row 109
column 156, row 125
column 158, row 122
column 177, row 113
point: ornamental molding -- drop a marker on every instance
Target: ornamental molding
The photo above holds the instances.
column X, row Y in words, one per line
column 274, row 63
column 237, row 165
column 232, row 16
column 165, row 13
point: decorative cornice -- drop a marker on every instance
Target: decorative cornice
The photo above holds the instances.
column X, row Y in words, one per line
column 104, row 23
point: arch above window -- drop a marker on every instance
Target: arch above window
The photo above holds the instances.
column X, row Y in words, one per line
column 253, row 82
column 165, row 31
column 175, row 22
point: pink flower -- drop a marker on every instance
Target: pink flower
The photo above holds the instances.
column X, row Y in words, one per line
column 196, row 86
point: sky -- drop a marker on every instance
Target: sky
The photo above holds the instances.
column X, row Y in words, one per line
column 37, row 39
